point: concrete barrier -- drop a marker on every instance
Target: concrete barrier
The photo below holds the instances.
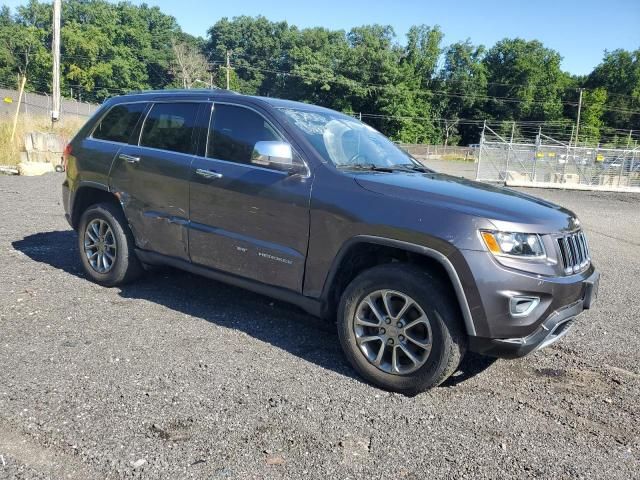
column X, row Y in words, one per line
column 43, row 147
column 514, row 176
column 31, row 169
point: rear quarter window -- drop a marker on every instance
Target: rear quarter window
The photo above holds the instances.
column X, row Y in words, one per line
column 117, row 125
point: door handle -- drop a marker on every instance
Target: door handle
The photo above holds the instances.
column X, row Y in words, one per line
column 128, row 158
column 208, row 173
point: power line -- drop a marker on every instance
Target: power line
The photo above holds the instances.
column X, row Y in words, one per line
column 346, row 81
column 255, row 58
column 350, row 82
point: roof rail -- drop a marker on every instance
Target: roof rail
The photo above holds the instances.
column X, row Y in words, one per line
column 184, row 90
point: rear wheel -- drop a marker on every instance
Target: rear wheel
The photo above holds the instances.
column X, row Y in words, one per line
column 400, row 328
column 106, row 246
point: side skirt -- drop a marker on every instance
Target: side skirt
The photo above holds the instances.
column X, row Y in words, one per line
column 312, row 306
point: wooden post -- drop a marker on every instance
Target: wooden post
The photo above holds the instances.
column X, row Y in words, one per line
column 23, row 80
column 55, row 51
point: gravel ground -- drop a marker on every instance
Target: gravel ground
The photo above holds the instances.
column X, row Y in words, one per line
column 458, row 168
column 177, row 376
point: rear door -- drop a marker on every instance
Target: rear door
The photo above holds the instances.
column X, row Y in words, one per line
column 95, row 153
column 152, row 177
column 246, row 219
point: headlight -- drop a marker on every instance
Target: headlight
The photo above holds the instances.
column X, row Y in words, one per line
column 526, row 245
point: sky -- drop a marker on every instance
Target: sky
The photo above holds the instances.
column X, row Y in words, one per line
column 579, row 29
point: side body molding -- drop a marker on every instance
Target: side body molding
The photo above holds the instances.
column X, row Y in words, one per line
column 410, row 247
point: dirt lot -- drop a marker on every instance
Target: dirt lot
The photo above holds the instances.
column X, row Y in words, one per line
column 181, row 377
column 458, row 168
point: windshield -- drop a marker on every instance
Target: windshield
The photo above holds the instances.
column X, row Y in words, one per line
column 347, row 142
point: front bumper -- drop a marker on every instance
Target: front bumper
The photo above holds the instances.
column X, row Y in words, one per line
column 552, row 329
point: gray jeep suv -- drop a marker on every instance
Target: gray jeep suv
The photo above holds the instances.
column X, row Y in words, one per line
column 310, row 206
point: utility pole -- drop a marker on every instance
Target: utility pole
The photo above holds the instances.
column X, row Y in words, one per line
column 578, row 119
column 55, row 47
column 228, row 66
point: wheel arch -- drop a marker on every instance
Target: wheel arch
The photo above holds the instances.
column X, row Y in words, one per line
column 364, row 251
column 87, row 194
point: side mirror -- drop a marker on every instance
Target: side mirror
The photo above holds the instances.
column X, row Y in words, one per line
column 276, row 155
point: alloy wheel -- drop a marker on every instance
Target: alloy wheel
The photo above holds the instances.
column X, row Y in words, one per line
column 393, row 332
column 100, row 245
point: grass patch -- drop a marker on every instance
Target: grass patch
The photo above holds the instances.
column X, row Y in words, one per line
column 457, row 158
column 10, row 150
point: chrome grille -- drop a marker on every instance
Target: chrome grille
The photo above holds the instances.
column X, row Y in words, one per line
column 574, row 251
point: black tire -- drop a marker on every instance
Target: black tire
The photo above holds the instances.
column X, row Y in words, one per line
column 444, row 318
column 126, row 267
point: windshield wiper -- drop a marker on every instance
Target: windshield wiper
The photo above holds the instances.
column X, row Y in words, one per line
column 409, row 167
column 399, row 167
column 365, row 166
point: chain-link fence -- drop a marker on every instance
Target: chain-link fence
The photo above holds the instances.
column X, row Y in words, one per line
column 37, row 104
column 553, row 164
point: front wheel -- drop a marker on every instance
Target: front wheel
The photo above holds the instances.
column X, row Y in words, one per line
column 400, row 328
column 106, row 246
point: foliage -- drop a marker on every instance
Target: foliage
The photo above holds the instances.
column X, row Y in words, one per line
column 11, row 150
column 22, row 49
column 463, row 81
column 414, row 90
column 619, row 76
column 107, row 48
column 526, row 81
column 592, row 114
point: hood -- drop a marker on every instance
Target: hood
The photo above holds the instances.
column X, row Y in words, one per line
column 505, row 208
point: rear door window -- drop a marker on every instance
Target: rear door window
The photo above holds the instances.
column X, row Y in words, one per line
column 117, row 125
column 170, row 126
column 235, row 131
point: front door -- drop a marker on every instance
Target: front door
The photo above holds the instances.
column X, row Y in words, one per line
column 245, row 219
column 152, row 178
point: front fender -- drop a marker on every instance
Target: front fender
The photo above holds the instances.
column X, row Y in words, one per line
column 455, row 276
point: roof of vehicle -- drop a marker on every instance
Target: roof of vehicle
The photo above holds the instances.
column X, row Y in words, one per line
column 218, row 93
column 282, row 103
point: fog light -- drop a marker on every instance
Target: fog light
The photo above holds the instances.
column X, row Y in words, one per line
column 522, row 306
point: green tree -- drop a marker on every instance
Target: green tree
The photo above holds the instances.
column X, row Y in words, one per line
column 525, row 80
column 22, row 47
column 317, row 60
column 259, row 50
column 463, row 82
column 415, row 90
column 414, row 93
column 423, row 51
column 107, row 48
column 619, row 75
column 591, row 120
